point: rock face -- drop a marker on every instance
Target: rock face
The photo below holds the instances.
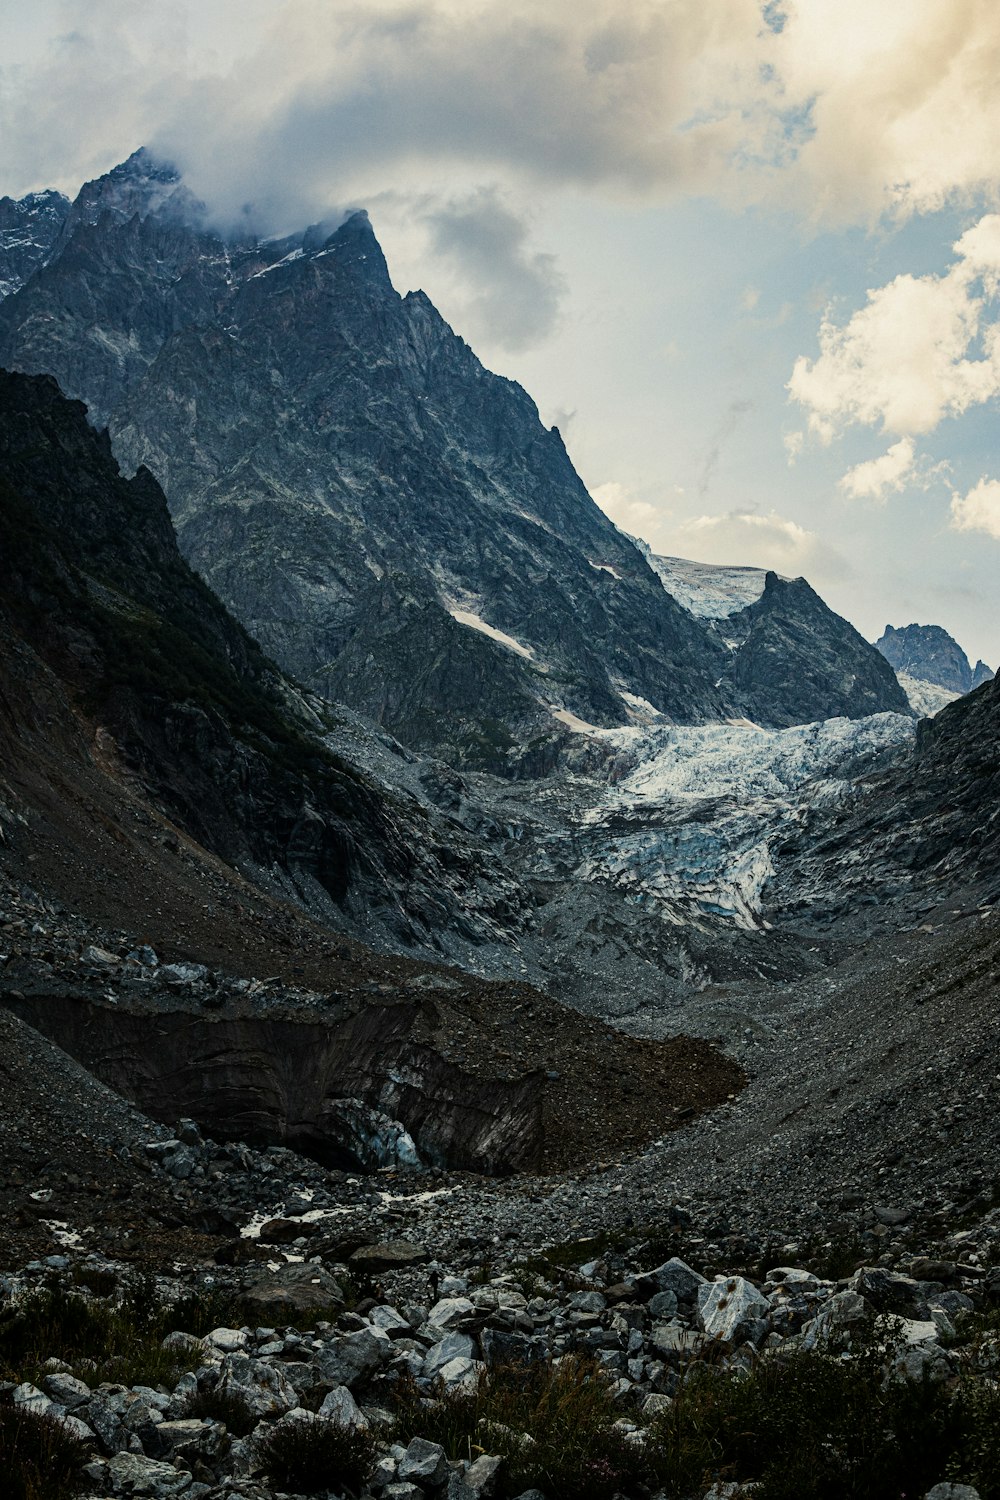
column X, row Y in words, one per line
column 29, row 227
column 922, row 830
column 283, row 1081
column 796, row 661
column 387, row 518
column 105, row 631
column 930, row 654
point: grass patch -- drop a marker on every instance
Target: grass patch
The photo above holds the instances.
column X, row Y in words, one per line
column 553, row 1425
column 815, row 1427
column 306, row 1457
column 227, row 1407
column 39, row 1459
column 116, row 1341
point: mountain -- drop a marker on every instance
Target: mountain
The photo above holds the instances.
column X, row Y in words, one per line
column 790, row 659
column 142, row 726
column 921, row 831
column 29, row 228
column 930, row 655
column 389, row 520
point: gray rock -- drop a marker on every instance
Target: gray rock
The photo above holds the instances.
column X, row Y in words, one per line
column 66, row 1389
column 452, row 1346
column 727, row 1309
column 354, row 1357
column 952, row 1492
column 450, row 1311
column 264, row 1386
column 676, row 1276
column 134, row 1474
column 424, row 1463
column 340, row 1407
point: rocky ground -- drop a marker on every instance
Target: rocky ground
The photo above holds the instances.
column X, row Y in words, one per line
column 864, row 1135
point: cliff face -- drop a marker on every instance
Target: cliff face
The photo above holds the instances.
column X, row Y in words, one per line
column 919, row 833
column 797, row 660
column 930, row 654
column 118, row 662
column 389, row 520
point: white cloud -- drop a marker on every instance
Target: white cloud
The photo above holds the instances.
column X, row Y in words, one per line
column 508, row 294
column 906, row 359
column 758, row 539
column 875, row 478
column 979, row 510
column 637, row 517
column 844, row 111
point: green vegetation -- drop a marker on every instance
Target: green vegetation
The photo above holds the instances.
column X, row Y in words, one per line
column 227, row 1407
column 39, row 1458
column 552, row 1424
column 117, row 1340
column 801, row 1426
column 309, row 1456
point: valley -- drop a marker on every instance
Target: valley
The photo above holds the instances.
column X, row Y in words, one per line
column 411, row 884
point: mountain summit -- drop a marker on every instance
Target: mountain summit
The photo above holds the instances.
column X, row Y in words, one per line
column 391, row 521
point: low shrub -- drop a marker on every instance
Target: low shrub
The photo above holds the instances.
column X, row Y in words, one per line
column 553, row 1424
column 228, row 1407
column 810, row 1426
column 307, row 1457
column 39, row 1458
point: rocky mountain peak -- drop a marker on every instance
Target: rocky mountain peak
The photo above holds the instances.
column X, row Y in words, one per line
column 29, row 227
column 929, row 654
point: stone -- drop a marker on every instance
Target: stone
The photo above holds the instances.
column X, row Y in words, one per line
column 461, row 1375
column 354, row 1357
column 727, row 1309
column 663, row 1305
column 952, row 1492
column 66, row 1389
column 391, row 1255
column 424, row 1463
column 30, row 1398
column 843, row 1313
column 449, row 1311
column 676, row 1276
column 281, row 1231
column 670, row 1340
column 452, row 1346
column 887, row 1291
column 187, row 1131
column 134, row 1474
column 390, row 1321
column 228, row 1340
column 481, row 1477
column 340, row 1407
column 264, row 1386
column 291, row 1289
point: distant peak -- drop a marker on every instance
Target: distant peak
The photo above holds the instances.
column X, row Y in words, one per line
column 355, row 245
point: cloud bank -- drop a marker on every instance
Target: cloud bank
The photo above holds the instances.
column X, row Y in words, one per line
column 843, row 112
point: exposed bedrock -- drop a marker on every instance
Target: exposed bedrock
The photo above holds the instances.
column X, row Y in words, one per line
column 279, row 1081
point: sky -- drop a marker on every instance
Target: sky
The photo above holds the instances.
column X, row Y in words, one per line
column 745, row 255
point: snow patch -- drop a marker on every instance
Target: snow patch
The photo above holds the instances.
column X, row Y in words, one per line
column 926, row 698
column 709, row 590
column 470, row 618
column 693, row 812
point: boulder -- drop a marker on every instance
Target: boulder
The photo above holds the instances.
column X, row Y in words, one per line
column 354, row 1357
column 340, row 1407
column 134, row 1474
column 424, row 1463
column 452, row 1346
column 291, row 1290
column 263, row 1386
column 392, row 1255
column 727, row 1310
